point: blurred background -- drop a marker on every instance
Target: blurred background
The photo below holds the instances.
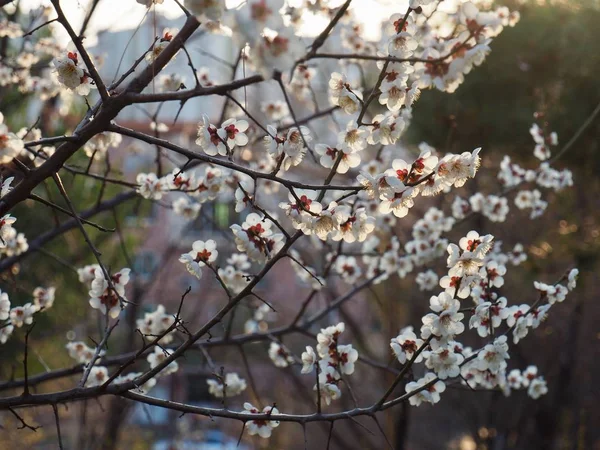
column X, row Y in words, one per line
column 547, row 64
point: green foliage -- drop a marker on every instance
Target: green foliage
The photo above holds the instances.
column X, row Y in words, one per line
column 546, row 63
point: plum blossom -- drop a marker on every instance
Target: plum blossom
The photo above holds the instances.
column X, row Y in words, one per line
column 263, row 428
column 342, row 95
column 81, row 353
column 386, row 130
column 287, row 150
column 430, row 394
column 347, row 267
column 87, row 273
column 346, row 356
column 43, row 298
column 256, row 238
column 397, row 200
column 232, row 133
column 537, row 388
column 329, row 392
column 327, row 338
column 186, row 208
column 158, row 357
column 493, row 356
column 352, row 227
column 160, row 45
column 156, row 323
column 280, row 356
column 202, row 254
column 309, row 359
column 132, row 377
column 427, row 280
column 353, row 139
column 208, row 9
column 277, row 50
column 329, row 155
column 5, row 187
column 71, row 75
column 230, row 386
column 171, row 82
column 274, row 110
column 5, row 332
column 106, row 296
column 405, row 345
column 10, row 147
column 22, row 315
column 100, row 143
column 382, row 186
column 514, row 379
column 6, row 229
column 150, row 186
column 572, row 279
column 4, row 306
column 488, row 316
column 457, row 169
column 97, row 377
column 446, row 324
column 444, row 362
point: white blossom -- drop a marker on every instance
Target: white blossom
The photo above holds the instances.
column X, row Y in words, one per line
column 230, row 386
column 261, row 427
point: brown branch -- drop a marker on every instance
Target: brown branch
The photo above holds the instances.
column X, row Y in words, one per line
column 37, row 243
column 25, row 365
column 254, row 174
column 375, row 90
column 58, row 433
column 102, row 117
column 37, row 198
column 23, row 423
column 77, row 41
column 199, row 91
column 29, row 33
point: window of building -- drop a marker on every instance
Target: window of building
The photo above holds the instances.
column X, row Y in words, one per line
column 197, row 389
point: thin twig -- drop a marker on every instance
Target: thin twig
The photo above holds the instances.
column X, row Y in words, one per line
column 25, row 365
column 57, row 419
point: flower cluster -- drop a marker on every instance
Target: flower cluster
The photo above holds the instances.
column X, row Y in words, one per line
column 157, row 323
column 259, row 322
column 349, row 223
column 12, row 243
column 288, row 149
column 158, row 357
column 263, row 428
column 337, row 221
column 332, row 361
column 100, row 143
column 71, row 74
column 223, row 140
column 476, row 269
column 10, row 144
column 228, row 386
column 109, row 296
column 81, row 353
column 256, row 238
column 427, row 175
column 234, row 274
column 160, row 45
column 12, row 317
column 202, row 254
column 280, row 355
